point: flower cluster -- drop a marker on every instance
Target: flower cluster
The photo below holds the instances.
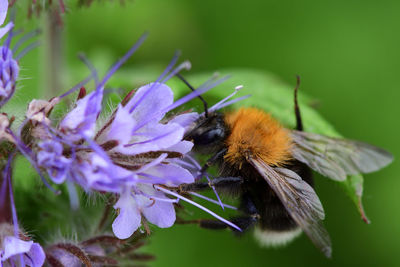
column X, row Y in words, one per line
column 15, row 245
column 132, row 157
column 9, row 68
column 133, row 150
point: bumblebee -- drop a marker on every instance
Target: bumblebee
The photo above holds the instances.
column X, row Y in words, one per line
column 269, row 168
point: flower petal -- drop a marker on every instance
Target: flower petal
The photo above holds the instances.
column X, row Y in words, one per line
column 14, row 246
column 128, row 219
column 50, row 157
column 154, row 137
column 122, row 126
column 3, row 10
column 149, row 101
column 159, row 213
column 172, row 174
column 82, row 119
column 98, row 174
column 182, row 147
column 36, row 256
column 185, row 120
column 6, row 29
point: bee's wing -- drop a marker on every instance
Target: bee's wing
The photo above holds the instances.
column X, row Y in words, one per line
column 299, row 199
column 336, row 158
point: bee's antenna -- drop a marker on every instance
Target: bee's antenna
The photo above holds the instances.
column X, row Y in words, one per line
column 199, row 96
column 299, row 124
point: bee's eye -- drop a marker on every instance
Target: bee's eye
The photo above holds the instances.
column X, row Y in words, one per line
column 209, row 136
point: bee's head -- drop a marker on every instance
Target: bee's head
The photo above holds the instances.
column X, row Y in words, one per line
column 209, row 133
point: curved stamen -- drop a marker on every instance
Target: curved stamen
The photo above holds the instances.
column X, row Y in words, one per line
column 215, row 107
column 10, row 34
column 27, row 153
column 119, row 63
column 24, row 38
column 183, row 100
column 194, row 161
column 212, row 200
column 27, row 49
column 154, row 84
column 90, row 66
column 232, row 102
column 153, row 163
column 77, row 87
column 169, row 200
column 6, row 29
column 154, row 179
column 199, row 91
column 184, row 65
column 184, row 163
column 215, row 191
column 198, row 205
column 151, row 140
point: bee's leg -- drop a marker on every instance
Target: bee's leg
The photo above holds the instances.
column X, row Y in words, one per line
column 299, row 123
column 210, row 162
column 243, row 222
column 220, row 183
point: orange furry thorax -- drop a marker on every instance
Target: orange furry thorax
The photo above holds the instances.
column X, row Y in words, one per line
column 255, row 133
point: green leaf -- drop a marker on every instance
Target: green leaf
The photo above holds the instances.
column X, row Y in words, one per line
column 276, row 97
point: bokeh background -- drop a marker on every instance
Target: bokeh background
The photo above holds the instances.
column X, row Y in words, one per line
column 347, row 54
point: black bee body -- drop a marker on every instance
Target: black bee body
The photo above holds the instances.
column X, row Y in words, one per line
column 257, row 197
column 268, row 168
column 259, row 204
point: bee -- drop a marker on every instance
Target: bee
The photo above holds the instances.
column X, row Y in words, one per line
column 269, row 168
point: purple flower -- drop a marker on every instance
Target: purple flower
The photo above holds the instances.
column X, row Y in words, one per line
column 137, row 127
column 50, row 157
column 13, row 250
column 134, row 152
column 154, row 205
column 100, row 169
column 143, row 199
column 80, row 122
column 9, row 71
column 9, row 68
column 4, row 124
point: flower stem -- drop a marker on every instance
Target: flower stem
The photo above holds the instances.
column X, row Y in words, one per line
column 5, row 205
column 54, row 54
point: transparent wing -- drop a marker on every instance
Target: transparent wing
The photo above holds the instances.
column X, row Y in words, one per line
column 336, row 158
column 300, row 200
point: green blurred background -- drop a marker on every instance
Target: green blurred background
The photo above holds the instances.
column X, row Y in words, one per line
column 347, row 54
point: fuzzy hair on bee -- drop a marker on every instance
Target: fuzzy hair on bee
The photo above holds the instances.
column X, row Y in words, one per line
column 256, row 132
column 269, row 169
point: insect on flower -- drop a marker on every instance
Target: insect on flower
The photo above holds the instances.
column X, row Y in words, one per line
column 268, row 167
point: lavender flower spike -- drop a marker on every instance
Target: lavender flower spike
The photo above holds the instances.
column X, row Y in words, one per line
column 9, row 71
column 9, row 68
